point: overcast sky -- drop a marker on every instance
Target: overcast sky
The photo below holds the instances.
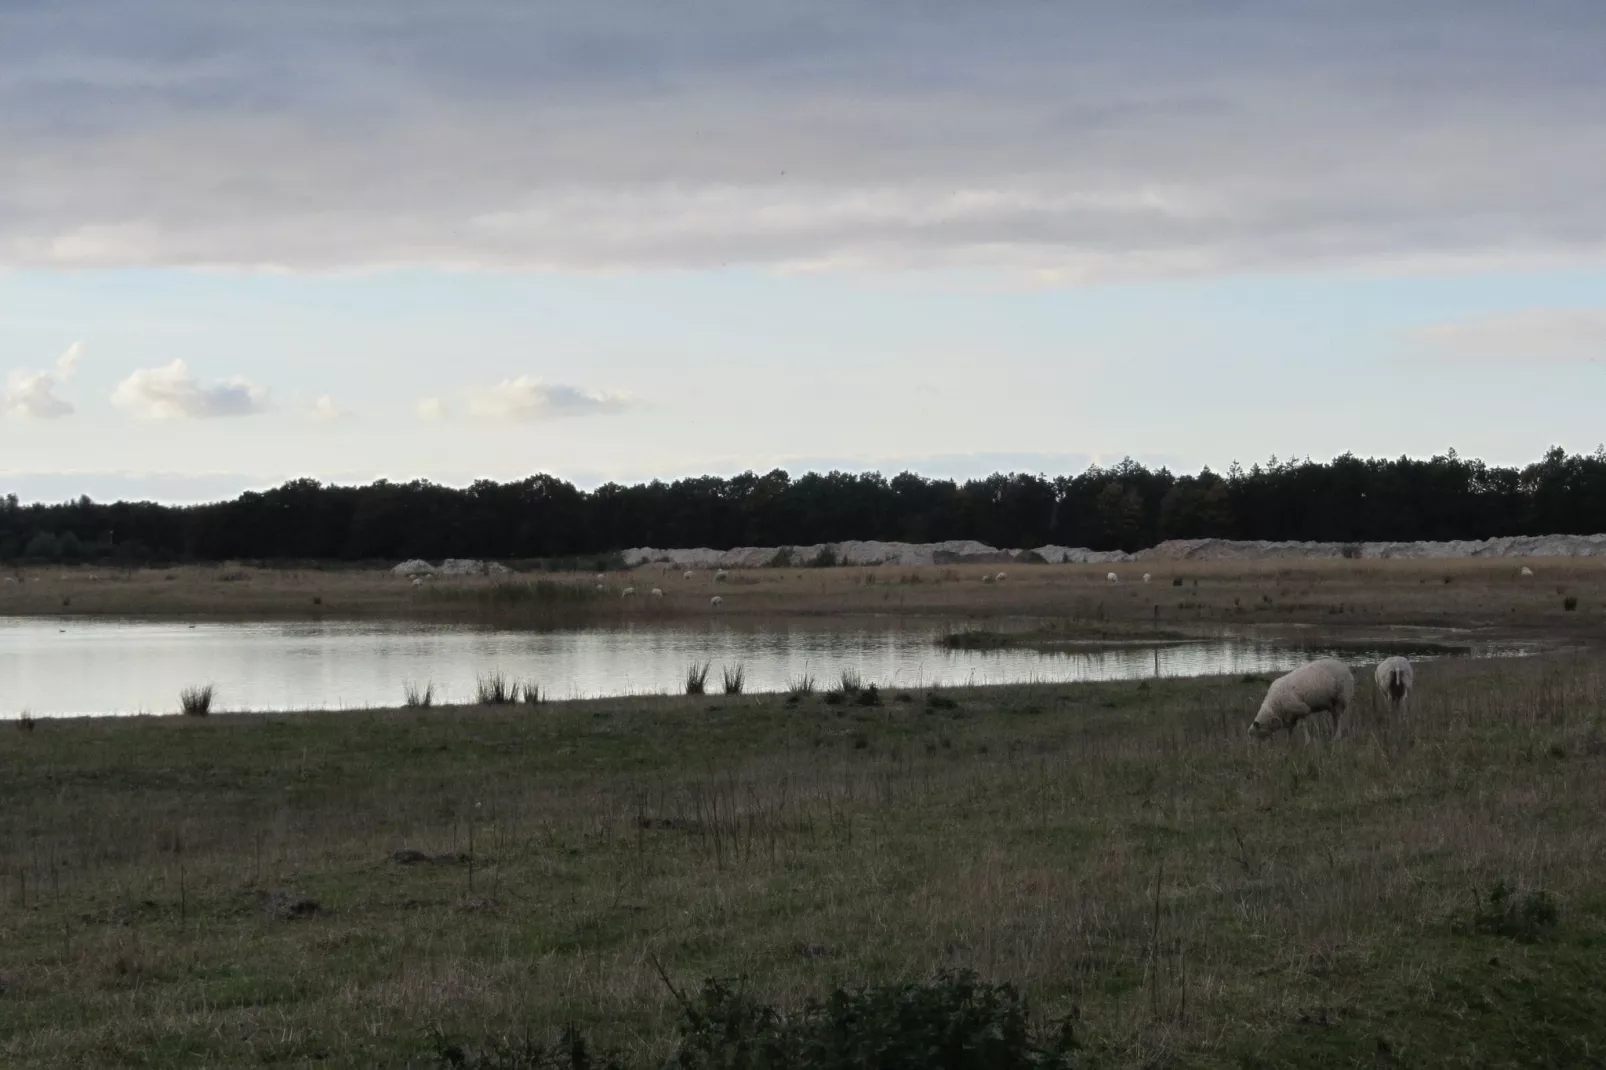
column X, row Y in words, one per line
column 634, row 239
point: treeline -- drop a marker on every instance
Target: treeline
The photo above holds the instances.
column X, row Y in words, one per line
column 1127, row 506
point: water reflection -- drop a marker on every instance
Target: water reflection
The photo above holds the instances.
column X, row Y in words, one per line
column 50, row 667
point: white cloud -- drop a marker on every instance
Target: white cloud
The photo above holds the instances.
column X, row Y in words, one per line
column 33, row 394
column 324, row 410
column 431, row 409
column 172, row 393
column 1538, row 335
column 529, row 398
column 1070, row 141
column 67, row 363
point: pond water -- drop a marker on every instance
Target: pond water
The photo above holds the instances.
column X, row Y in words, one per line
column 70, row 667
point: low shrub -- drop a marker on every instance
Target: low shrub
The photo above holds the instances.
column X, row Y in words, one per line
column 1503, row 912
column 954, row 1022
column 697, row 678
column 196, row 701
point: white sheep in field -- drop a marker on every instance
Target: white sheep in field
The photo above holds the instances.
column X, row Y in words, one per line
column 1395, row 679
column 999, row 578
column 628, row 592
column 688, row 574
column 601, row 577
column 987, row 577
column 721, row 576
column 716, row 601
column 602, row 587
column 1526, row 571
column 1315, row 686
column 1147, row 577
column 1111, row 578
column 657, row 592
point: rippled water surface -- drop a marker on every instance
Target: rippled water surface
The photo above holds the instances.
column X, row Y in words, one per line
column 53, row 667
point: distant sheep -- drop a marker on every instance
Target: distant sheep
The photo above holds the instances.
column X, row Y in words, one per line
column 721, row 576
column 1000, row 577
column 987, row 577
column 657, row 592
column 1147, row 577
column 688, row 574
column 1526, row 571
column 628, row 592
column 601, row 577
column 716, row 601
column 1111, row 578
column 602, row 587
column 1321, row 685
column 1395, row 679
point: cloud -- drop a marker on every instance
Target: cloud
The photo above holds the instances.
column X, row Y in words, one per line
column 1069, row 142
column 67, row 363
column 172, row 393
column 431, row 409
column 324, row 410
column 33, row 394
column 528, row 398
column 1538, row 335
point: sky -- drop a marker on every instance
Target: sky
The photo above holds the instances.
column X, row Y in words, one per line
column 625, row 240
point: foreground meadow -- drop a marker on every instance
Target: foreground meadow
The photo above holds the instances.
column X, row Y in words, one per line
column 336, row 888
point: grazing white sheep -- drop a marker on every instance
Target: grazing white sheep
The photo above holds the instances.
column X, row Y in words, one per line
column 657, row 592
column 601, row 577
column 602, row 587
column 1321, row 685
column 1112, row 578
column 716, row 601
column 987, row 577
column 1147, row 577
column 628, row 592
column 1395, row 679
column 1526, row 571
column 721, row 576
column 688, row 574
column 999, row 578
column 417, row 582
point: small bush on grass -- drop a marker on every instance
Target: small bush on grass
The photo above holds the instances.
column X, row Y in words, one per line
column 196, row 701
column 954, row 1022
column 495, row 689
column 697, row 678
column 1502, row 912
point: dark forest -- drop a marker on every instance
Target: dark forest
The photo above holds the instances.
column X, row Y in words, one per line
column 1126, row 506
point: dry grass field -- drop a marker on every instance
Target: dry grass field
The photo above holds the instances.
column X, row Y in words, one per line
column 1480, row 595
column 342, row 889
column 330, row 889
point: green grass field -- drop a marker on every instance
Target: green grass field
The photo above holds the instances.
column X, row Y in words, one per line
column 328, row 889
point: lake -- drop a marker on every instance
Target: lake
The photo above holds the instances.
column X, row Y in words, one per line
column 54, row 667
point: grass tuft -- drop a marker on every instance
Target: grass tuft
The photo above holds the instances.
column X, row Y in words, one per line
column 1526, row 918
column 196, row 701
column 733, row 679
column 697, row 678
column 418, row 697
column 801, row 686
column 495, row 689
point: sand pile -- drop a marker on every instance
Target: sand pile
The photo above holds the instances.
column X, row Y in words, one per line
column 967, row 551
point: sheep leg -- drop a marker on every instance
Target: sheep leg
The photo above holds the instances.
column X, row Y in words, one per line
column 1339, row 723
column 1292, row 716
